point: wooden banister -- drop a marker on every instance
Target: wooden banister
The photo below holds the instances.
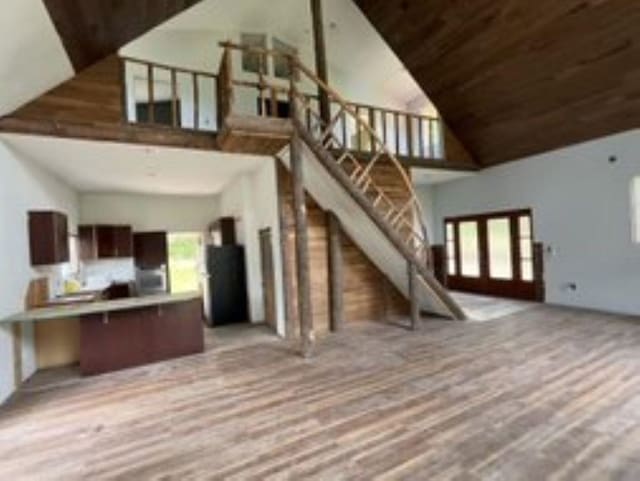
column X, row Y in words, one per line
column 360, row 175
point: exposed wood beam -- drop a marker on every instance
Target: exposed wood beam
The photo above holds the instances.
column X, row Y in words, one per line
column 123, row 133
column 336, row 271
column 322, row 69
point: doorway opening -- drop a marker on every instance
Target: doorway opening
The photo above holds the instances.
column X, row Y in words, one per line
column 494, row 254
column 185, row 262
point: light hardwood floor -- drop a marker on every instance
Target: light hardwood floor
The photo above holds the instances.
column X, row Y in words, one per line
column 544, row 394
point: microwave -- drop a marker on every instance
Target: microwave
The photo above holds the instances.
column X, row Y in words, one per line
column 152, row 281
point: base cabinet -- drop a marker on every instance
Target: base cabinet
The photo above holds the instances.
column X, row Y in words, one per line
column 122, row 339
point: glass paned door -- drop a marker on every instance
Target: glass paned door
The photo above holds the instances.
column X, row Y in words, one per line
column 494, row 254
column 526, row 248
column 469, row 244
column 499, row 237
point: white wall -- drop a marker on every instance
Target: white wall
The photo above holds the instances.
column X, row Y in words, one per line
column 32, row 57
column 149, row 212
column 362, row 67
column 252, row 200
column 581, row 208
column 426, row 196
column 24, row 187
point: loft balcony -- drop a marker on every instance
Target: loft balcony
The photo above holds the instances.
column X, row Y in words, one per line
column 249, row 111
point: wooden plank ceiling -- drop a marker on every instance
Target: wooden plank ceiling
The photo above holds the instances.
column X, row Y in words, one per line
column 514, row 78
column 93, row 29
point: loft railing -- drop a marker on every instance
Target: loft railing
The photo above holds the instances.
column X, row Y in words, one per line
column 256, row 89
column 398, row 205
column 407, row 135
column 166, row 96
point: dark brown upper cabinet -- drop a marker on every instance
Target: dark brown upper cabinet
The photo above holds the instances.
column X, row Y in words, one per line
column 105, row 242
column 150, row 249
column 88, row 243
column 48, row 238
column 223, row 231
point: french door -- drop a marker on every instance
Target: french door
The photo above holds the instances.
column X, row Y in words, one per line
column 492, row 254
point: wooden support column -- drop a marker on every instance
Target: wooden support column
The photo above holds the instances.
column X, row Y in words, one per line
column 336, row 274
column 413, row 296
column 287, row 271
column 321, row 58
column 302, row 237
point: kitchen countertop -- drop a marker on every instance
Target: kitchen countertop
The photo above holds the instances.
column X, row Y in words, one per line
column 98, row 307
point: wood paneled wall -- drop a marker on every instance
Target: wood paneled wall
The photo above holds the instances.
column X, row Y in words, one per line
column 519, row 77
column 368, row 295
column 90, row 106
column 94, row 96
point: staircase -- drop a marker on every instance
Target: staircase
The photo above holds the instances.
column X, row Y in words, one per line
column 387, row 225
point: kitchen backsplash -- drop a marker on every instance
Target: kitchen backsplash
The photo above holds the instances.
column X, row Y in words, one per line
column 102, row 273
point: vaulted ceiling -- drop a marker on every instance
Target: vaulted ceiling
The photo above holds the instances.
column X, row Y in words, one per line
column 515, row 78
column 93, row 29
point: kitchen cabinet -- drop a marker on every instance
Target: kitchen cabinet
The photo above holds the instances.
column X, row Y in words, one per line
column 87, row 242
column 223, row 231
column 48, row 238
column 134, row 337
column 150, row 250
column 105, row 242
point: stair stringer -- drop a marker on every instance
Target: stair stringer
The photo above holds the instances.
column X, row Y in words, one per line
column 331, row 196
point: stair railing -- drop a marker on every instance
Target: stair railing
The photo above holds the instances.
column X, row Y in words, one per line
column 403, row 213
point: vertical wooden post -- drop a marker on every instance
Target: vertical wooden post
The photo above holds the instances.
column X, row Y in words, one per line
column 174, row 98
column 336, row 274
column 196, row 103
column 301, row 227
column 321, row 58
column 413, row 296
column 151, row 92
column 124, row 105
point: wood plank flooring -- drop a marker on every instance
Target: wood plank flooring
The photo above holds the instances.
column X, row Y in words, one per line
column 544, row 394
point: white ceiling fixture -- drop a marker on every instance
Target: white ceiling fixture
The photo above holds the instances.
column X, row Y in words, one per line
column 109, row 167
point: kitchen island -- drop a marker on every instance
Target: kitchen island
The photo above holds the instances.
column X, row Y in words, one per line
column 129, row 332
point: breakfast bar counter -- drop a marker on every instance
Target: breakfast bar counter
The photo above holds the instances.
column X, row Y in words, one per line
column 122, row 333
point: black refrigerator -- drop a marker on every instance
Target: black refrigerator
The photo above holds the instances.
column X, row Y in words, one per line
column 227, row 285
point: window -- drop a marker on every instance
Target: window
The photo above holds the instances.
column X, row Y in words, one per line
column 452, row 266
column 500, row 248
column 526, row 248
column 251, row 61
column 469, row 249
column 282, row 69
column 635, row 209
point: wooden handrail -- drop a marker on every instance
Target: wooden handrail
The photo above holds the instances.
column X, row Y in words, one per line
column 163, row 66
column 374, row 136
column 346, row 106
column 386, row 110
